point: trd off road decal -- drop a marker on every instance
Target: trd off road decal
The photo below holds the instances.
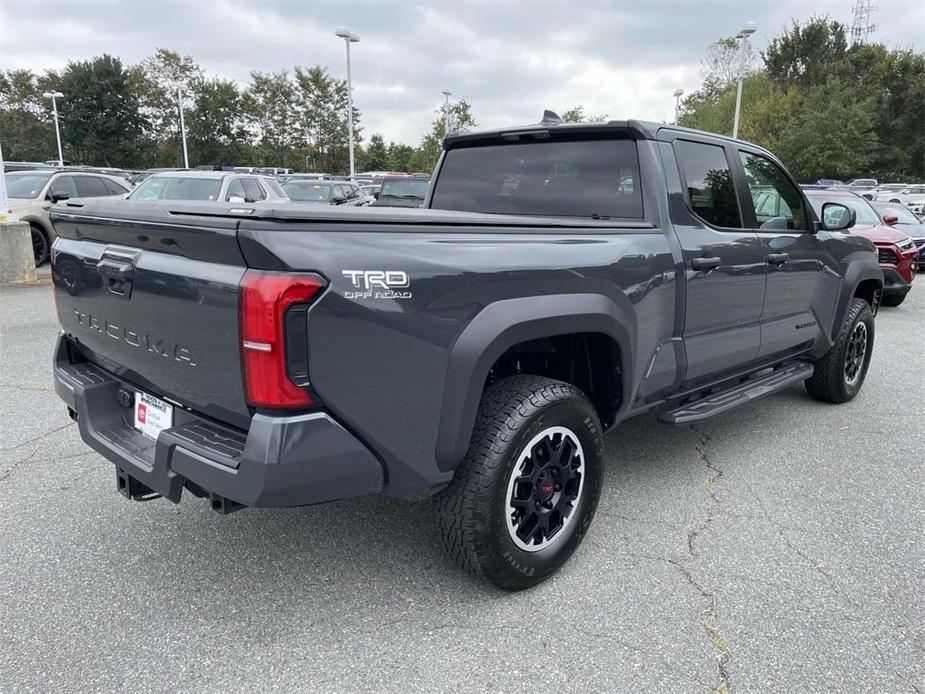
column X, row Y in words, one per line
column 377, row 284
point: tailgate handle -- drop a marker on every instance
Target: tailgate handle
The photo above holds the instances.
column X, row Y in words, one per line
column 119, row 274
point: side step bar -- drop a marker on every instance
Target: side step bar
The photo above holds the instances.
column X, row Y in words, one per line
column 718, row 402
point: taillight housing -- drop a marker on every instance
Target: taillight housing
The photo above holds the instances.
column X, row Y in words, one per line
column 268, row 302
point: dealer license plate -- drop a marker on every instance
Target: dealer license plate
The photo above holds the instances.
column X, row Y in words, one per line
column 152, row 415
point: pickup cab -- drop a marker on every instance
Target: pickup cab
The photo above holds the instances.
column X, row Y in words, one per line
column 560, row 279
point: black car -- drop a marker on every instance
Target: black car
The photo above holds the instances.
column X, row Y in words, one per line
column 325, row 192
column 402, row 191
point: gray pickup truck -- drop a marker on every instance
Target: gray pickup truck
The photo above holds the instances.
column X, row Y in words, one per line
column 561, row 279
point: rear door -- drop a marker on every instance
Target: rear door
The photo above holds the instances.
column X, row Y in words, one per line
column 155, row 299
column 803, row 277
column 725, row 264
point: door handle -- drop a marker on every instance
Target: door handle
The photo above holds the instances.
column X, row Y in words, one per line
column 706, row 263
column 778, row 258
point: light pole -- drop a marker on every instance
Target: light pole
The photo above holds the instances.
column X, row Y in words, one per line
column 4, row 200
column 54, row 111
column 678, row 93
column 349, row 38
column 747, row 30
column 182, row 125
column 446, row 112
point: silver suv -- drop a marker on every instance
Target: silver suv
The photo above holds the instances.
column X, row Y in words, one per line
column 217, row 186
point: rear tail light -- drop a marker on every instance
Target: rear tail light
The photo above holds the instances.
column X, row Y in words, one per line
column 274, row 337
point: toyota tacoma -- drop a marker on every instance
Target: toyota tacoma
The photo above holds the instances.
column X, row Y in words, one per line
column 560, row 279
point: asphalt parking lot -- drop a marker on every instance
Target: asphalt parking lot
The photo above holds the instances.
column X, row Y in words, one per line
column 776, row 549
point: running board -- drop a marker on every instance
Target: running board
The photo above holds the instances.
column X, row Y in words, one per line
column 740, row 394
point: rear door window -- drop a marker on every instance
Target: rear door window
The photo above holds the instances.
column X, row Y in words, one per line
column 580, row 178
column 254, row 192
column 708, row 178
column 235, row 189
column 63, row 185
column 113, row 187
column 91, row 187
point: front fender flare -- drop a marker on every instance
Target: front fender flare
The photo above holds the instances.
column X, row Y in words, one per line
column 503, row 324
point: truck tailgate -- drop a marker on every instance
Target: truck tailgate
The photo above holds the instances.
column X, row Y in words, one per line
column 155, row 301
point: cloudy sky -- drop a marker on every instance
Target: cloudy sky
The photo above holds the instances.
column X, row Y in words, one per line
column 509, row 59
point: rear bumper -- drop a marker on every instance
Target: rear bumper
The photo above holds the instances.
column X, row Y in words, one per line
column 281, row 461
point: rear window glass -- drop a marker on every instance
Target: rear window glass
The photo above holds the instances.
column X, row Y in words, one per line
column 176, row 188
column 709, row 183
column 585, row 178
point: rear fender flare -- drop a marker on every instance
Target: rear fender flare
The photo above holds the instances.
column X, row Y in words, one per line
column 503, row 324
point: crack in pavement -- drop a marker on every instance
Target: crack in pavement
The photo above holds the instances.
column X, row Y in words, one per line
column 709, row 617
column 36, row 437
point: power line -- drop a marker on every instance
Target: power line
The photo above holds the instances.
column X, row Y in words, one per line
column 861, row 25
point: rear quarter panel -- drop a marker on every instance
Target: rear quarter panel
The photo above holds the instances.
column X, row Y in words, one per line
column 381, row 364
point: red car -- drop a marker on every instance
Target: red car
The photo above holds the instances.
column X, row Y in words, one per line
column 897, row 251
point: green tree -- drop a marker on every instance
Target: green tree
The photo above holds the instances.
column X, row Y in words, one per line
column 99, row 114
column 155, row 81
column 376, row 156
column 321, row 105
column 831, row 134
column 215, row 126
column 806, row 54
column 459, row 116
column 26, row 127
column 400, row 157
column 576, row 114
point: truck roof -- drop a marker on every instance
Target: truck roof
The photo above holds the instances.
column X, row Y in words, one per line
column 638, row 129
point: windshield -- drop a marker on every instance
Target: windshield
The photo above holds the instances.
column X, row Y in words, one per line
column 306, row 191
column 902, row 213
column 177, row 188
column 405, row 188
column 25, row 185
column 583, row 178
column 865, row 213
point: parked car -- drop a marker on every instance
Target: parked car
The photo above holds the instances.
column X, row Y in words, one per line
column 371, row 190
column 896, row 251
column 902, row 218
column 325, row 192
column 404, row 191
column 147, row 173
column 274, row 171
column 291, row 355
column 827, row 182
column 305, row 177
column 887, row 189
column 913, row 197
column 216, row 186
column 33, row 193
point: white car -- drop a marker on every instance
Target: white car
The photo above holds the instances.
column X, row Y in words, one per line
column 913, row 197
column 217, row 186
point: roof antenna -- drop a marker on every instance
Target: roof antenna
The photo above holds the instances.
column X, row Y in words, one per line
column 550, row 118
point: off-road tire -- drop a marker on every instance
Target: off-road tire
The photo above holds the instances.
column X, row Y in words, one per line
column 828, row 382
column 472, row 511
column 893, row 300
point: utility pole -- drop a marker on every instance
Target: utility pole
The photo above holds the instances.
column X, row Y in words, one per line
column 861, row 26
column 678, row 93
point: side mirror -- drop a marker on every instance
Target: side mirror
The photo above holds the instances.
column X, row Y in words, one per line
column 58, row 197
column 890, row 219
column 235, row 198
column 837, row 217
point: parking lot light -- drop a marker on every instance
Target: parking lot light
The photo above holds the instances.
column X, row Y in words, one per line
column 747, row 30
column 182, row 125
column 349, row 37
column 54, row 110
column 678, row 93
column 446, row 112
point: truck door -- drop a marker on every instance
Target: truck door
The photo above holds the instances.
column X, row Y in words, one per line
column 803, row 277
column 725, row 263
